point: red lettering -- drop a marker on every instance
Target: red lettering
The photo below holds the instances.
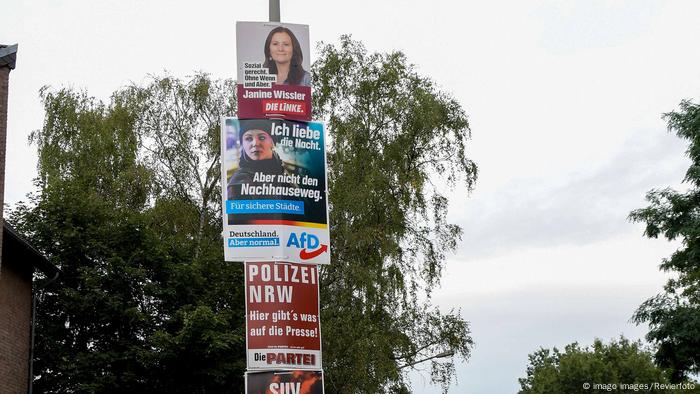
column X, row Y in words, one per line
column 291, row 358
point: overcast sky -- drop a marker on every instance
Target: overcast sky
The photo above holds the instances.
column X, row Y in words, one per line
column 564, row 100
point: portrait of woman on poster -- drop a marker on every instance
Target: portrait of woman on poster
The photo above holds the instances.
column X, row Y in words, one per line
column 283, row 57
column 257, row 154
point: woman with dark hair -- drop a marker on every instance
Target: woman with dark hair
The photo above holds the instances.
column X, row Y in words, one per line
column 284, row 58
column 257, row 154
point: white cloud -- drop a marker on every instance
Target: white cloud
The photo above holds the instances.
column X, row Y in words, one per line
column 569, row 209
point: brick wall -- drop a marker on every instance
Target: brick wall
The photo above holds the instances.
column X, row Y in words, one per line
column 15, row 309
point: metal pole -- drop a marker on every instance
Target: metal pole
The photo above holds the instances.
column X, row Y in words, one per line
column 445, row 354
column 274, row 10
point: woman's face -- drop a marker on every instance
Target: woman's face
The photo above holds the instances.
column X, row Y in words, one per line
column 257, row 144
column 281, row 48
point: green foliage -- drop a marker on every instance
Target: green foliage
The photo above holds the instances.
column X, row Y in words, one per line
column 395, row 140
column 674, row 316
column 619, row 362
column 146, row 303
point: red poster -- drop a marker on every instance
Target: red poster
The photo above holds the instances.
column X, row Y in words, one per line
column 282, row 316
column 284, row 382
column 278, row 101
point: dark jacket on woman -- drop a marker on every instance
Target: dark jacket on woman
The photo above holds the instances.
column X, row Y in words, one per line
column 247, row 169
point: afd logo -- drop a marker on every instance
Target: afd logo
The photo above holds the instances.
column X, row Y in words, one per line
column 308, row 243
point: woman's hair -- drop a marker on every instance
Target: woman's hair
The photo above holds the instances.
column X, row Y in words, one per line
column 253, row 124
column 296, row 70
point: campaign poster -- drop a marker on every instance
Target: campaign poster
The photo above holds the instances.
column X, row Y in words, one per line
column 283, row 329
column 274, row 70
column 274, row 191
column 284, row 382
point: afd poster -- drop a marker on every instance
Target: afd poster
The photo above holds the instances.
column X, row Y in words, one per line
column 282, row 316
column 274, row 78
column 274, row 191
column 284, row 382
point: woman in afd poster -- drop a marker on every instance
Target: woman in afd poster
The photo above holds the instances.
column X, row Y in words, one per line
column 257, row 154
column 283, row 57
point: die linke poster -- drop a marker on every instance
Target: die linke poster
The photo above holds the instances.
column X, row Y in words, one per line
column 274, row 78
